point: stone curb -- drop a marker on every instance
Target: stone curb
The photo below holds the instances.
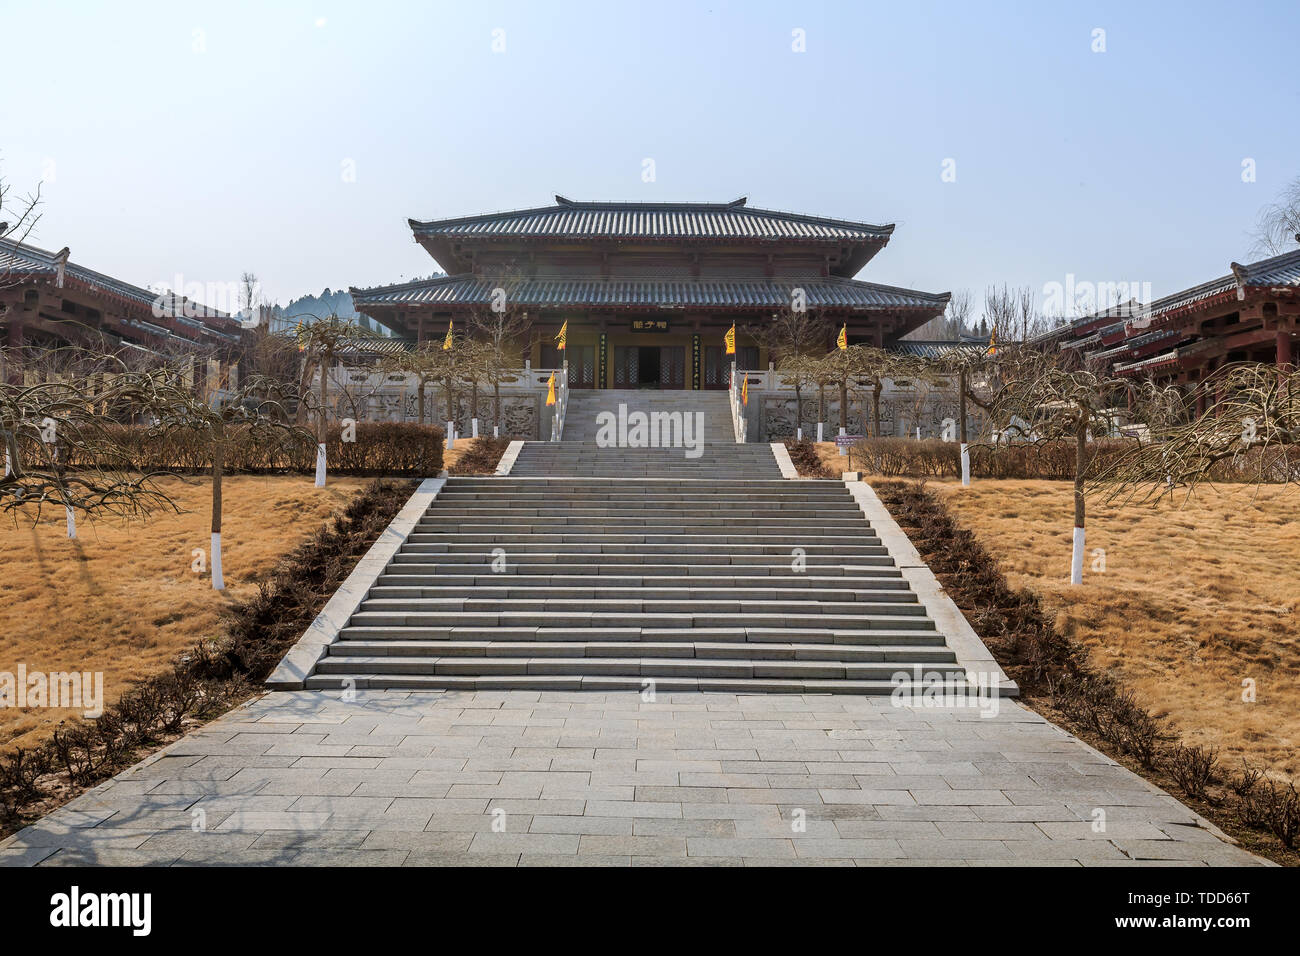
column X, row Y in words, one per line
column 301, row 659
column 971, row 652
column 783, row 461
column 508, row 457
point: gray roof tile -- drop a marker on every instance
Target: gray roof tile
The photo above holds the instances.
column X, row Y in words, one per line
column 675, row 221
column 470, row 290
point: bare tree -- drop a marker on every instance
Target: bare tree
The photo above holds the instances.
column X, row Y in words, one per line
column 18, row 217
column 797, row 340
column 321, row 343
column 1250, row 429
column 500, row 326
column 61, row 448
column 952, row 325
column 1040, row 400
column 1277, row 227
column 1002, row 311
column 251, row 416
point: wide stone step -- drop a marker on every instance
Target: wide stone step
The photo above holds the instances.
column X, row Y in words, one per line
column 901, row 602
column 895, row 619
column 630, row 667
column 859, row 636
column 640, row 544
column 499, row 592
column 879, row 579
column 849, row 653
column 603, row 684
column 539, row 539
column 601, row 562
column 760, row 565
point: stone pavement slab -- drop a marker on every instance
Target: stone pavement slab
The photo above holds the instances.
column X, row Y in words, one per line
column 548, row 778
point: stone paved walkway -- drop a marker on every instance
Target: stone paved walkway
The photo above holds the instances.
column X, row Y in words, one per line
column 586, row 778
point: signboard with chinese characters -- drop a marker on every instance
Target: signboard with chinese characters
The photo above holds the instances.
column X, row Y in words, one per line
column 649, row 325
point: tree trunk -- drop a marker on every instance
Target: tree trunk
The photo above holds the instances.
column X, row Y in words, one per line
column 496, row 409
column 218, row 468
column 962, row 380
column 419, row 397
column 844, row 406
column 961, row 404
column 322, row 424
column 798, row 410
column 1080, row 535
column 875, row 408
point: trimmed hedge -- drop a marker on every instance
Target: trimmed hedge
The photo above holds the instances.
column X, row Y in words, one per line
column 1050, row 461
column 392, row 449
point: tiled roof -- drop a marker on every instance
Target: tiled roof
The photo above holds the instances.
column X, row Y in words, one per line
column 470, row 290
column 665, row 221
column 934, row 350
column 1277, row 272
column 22, row 259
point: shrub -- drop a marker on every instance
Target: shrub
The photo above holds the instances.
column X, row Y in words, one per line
column 806, row 461
column 392, row 449
column 481, row 457
column 1048, row 461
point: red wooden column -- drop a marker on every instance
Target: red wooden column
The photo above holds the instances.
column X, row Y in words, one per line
column 1283, row 346
column 17, row 321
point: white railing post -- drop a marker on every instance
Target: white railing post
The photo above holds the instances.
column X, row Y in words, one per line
column 738, row 421
column 561, row 402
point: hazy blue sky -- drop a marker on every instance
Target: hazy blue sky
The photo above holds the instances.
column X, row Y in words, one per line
column 207, row 139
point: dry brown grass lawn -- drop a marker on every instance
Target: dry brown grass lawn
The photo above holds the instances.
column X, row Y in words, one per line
column 123, row 599
column 1194, row 599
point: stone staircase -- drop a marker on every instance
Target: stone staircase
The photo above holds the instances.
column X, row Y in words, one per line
column 716, row 461
column 580, row 424
column 738, row 583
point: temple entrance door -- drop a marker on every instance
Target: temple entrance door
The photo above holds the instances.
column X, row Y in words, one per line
column 648, row 367
column 672, row 366
column 582, row 366
column 716, row 372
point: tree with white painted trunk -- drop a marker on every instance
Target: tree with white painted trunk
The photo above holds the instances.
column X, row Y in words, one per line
column 321, row 342
column 973, row 371
column 1043, row 398
column 253, row 415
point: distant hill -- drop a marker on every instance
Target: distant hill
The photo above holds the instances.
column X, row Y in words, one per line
column 309, row 307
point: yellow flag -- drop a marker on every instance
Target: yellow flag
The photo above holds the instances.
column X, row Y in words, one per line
column 446, row 342
column 550, row 390
column 744, row 392
column 843, row 340
column 731, row 339
column 562, row 339
column 298, row 333
column 993, row 341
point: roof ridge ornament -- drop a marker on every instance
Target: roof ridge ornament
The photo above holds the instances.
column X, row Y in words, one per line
column 61, row 265
column 737, row 202
column 563, row 201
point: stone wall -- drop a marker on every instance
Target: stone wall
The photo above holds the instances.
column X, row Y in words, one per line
column 902, row 411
